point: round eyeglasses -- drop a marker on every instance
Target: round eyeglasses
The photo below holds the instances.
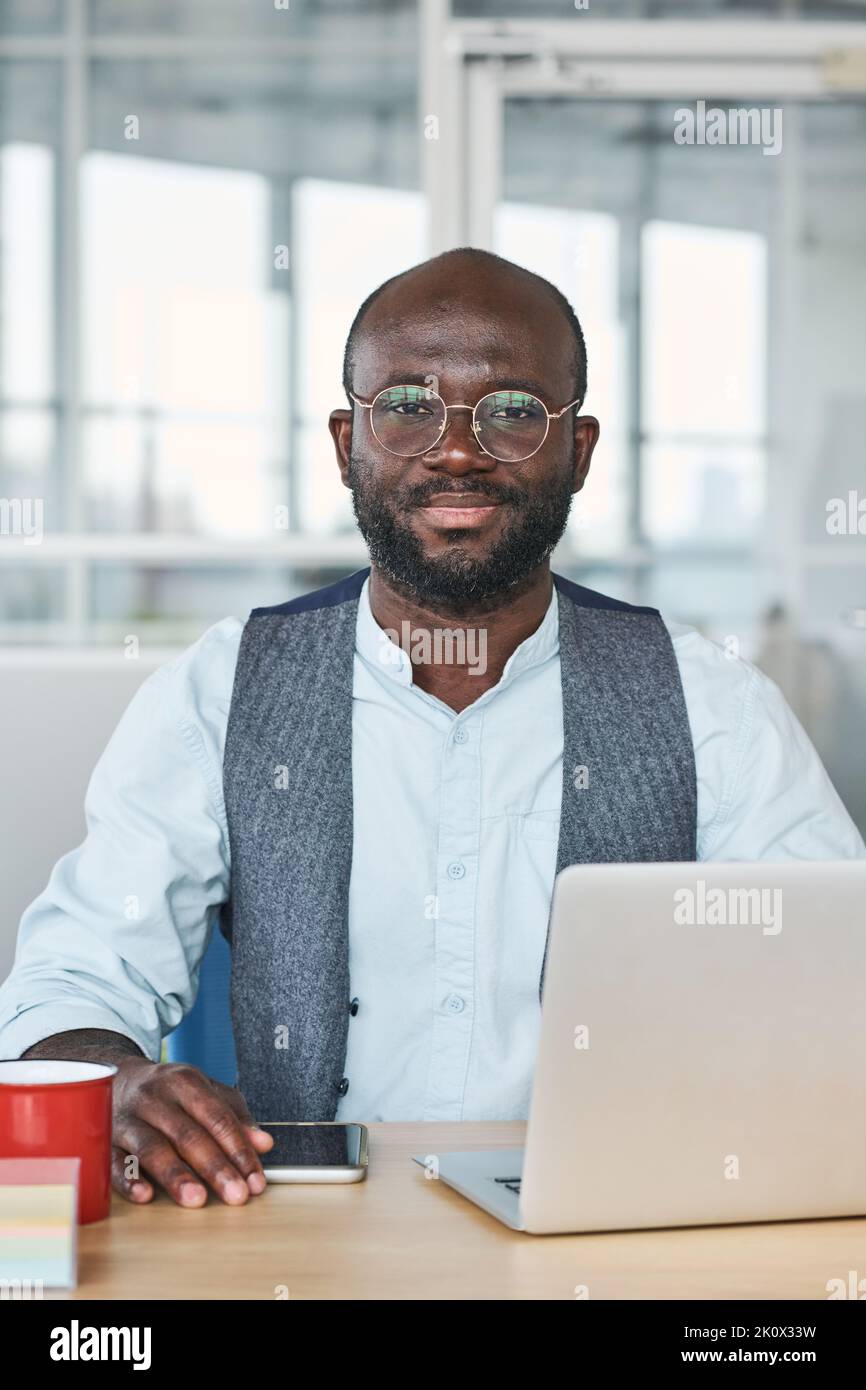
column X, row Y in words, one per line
column 509, row 425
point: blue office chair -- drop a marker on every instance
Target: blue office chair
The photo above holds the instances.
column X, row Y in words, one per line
column 205, row 1037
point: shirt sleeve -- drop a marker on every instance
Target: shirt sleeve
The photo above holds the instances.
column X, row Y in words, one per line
column 773, row 798
column 116, row 938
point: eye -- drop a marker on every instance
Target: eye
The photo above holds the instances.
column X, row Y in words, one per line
column 411, row 408
column 407, row 403
column 514, row 409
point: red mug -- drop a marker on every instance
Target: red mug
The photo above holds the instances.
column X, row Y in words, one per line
column 61, row 1110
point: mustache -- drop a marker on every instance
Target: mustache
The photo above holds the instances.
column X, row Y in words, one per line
column 420, row 493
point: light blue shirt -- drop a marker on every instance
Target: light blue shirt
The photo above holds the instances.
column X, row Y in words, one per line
column 455, row 839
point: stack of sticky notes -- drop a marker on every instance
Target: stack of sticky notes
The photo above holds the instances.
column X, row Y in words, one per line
column 38, row 1223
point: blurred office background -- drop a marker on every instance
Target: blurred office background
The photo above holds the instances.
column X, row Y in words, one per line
column 195, row 195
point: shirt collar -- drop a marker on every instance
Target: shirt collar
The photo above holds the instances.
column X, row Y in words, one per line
column 377, row 648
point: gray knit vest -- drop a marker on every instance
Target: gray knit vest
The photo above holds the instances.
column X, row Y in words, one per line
column 287, row 776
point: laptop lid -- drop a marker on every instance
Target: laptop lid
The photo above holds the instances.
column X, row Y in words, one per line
column 703, row 1047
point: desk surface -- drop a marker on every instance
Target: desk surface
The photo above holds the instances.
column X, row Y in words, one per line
column 402, row 1235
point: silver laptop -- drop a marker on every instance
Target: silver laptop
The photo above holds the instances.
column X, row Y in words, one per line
column 702, row 1055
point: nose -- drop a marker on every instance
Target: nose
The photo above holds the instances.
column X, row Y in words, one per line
column 458, row 451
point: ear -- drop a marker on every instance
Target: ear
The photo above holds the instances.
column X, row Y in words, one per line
column 586, row 432
column 340, row 425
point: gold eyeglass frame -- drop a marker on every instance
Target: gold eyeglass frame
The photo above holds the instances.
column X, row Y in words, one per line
column 431, row 394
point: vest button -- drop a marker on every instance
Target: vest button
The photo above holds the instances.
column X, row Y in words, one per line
column 343, row 1086
column 354, row 1006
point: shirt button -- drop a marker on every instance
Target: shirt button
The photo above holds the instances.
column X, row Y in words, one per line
column 461, row 735
column 354, row 1006
column 455, row 1004
column 456, row 869
column 343, row 1086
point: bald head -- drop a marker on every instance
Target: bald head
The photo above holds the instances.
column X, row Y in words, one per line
column 468, row 300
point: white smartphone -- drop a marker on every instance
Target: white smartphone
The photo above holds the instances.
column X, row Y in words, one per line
column 315, row 1151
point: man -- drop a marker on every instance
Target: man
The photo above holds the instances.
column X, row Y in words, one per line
column 374, row 786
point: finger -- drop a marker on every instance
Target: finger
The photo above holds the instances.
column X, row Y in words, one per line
column 207, row 1102
column 197, row 1147
column 125, row 1177
column 234, row 1099
column 162, row 1163
column 184, row 1104
column 259, row 1138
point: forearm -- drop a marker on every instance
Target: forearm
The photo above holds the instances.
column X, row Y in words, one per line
column 114, row 942
column 85, row 1045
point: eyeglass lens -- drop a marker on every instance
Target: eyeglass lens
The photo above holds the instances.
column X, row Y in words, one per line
column 408, row 420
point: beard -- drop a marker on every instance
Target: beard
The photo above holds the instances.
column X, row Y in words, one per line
column 456, row 580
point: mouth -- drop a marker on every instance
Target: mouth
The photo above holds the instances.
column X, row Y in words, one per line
column 459, row 511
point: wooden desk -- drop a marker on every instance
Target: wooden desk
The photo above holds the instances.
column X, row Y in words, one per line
column 400, row 1235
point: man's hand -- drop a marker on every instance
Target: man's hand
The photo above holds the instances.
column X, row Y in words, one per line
column 185, row 1131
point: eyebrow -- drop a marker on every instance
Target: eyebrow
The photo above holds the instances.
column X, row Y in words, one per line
column 532, row 388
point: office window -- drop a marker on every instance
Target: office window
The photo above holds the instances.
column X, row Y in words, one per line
column 27, row 371
column 579, row 253
column 185, row 349
column 26, row 223
column 154, row 395
column 331, row 221
column 30, row 16
column 742, row 10
column 30, row 399
column 703, row 382
column 346, row 22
